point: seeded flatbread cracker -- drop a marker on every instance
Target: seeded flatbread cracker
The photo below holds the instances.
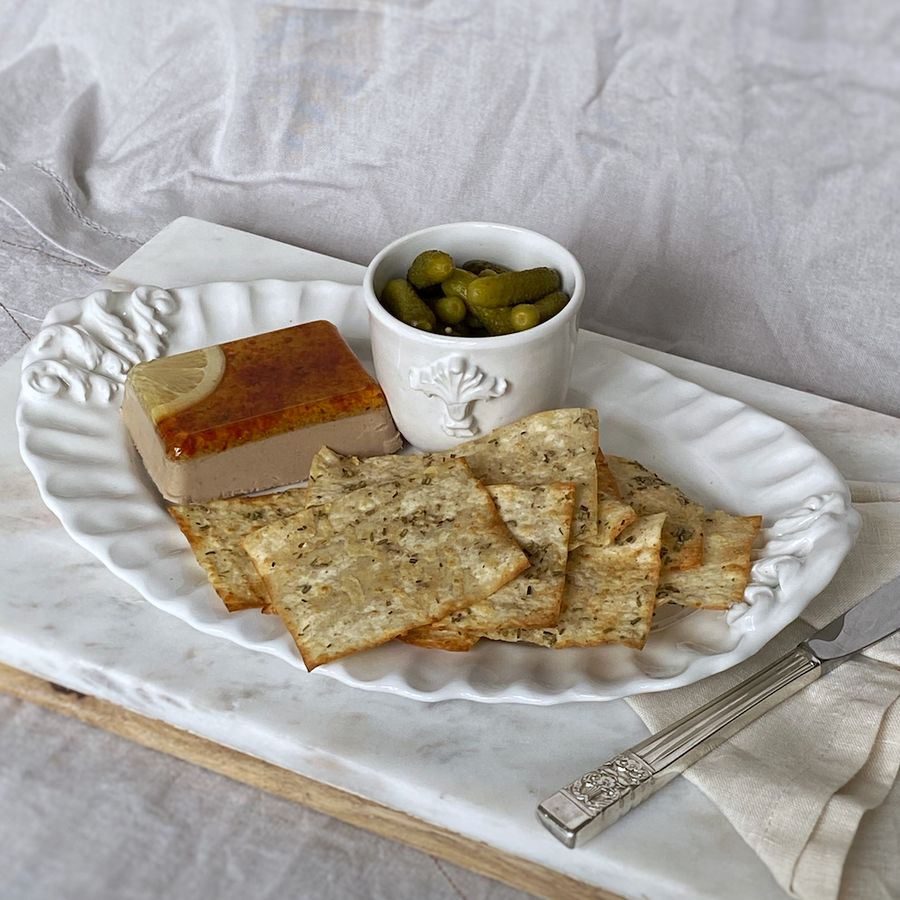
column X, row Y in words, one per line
column 441, row 637
column 331, row 474
column 647, row 493
column 610, row 592
column 720, row 580
column 215, row 530
column 539, row 518
column 614, row 515
column 559, row 445
column 381, row 560
column 606, row 482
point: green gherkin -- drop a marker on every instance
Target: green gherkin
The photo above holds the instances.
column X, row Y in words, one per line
column 509, row 288
column 430, row 267
column 400, row 299
column 495, row 319
column 458, row 283
column 478, row 266
column 524, row 316
column 449, row 310
column 550, row 305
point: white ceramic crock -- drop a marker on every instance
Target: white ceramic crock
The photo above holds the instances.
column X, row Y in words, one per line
column 445, row 390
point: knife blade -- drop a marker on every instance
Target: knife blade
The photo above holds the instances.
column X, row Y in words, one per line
column 600, row 797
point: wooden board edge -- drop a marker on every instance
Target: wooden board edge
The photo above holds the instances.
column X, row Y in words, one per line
column 382, row 820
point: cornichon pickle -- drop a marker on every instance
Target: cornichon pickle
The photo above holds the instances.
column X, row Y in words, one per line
column 430, row 267
column 509, row 288
column 457, row 284
column 495, row 319
column 477, row 266
column 400, row 299
column 550, row 305
column 524, row 316
column 449, row 310
column 479, row 298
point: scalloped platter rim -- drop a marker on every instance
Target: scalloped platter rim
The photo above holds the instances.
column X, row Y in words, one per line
column 725, row 453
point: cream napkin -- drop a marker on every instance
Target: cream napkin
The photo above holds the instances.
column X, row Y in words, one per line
column 796, row 782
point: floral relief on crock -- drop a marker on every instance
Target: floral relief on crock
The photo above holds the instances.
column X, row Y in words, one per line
column 459, row 383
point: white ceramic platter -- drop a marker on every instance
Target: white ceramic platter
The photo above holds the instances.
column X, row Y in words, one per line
column 722, row 452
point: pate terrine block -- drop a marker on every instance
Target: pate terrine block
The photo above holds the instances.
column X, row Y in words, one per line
column 249, row 415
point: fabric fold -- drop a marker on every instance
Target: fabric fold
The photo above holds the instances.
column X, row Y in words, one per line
column 820, row 866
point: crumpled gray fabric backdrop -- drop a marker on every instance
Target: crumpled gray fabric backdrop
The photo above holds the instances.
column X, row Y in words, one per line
column 727, row 172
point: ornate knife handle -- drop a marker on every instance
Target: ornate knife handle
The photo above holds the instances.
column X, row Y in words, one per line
column 591, row 803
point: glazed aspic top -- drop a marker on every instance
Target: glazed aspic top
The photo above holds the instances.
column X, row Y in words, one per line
column 273, row 383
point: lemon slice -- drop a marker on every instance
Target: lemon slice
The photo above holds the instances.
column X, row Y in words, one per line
column 174, row 383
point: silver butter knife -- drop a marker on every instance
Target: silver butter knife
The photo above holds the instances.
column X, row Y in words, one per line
column 594, row 801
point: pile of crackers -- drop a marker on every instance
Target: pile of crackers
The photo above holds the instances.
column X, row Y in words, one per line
column 529, row 534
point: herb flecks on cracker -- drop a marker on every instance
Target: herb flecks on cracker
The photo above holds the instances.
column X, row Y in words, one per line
column 648, row 493
column 381, row 560
column 551, row 447
column 331, row 475
column 721, row 578
column 614, row 515
column 558, row 445
column 215, row 530
column 539, row 518
column 609, row 595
